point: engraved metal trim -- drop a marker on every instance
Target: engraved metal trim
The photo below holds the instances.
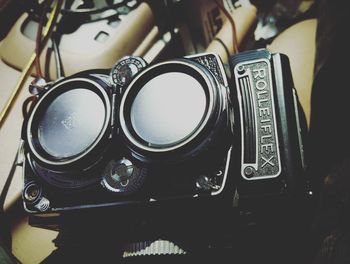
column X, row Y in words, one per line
column 220, row 75
column 104, row 128
column 267, row 155
column 190, row 138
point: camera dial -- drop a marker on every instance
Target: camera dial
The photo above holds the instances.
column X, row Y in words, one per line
column 122, row 176
column 125, row 70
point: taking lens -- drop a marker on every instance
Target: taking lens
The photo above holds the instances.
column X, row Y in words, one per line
column 71, row 123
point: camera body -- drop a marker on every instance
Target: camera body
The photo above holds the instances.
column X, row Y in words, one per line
column 175, row 132
column 102, row 138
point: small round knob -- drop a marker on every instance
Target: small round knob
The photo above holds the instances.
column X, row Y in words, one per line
column 123, row 176
column 125, row 70
column 249, row 172
column 31, row 192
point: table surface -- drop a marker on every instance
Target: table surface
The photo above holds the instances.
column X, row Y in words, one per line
column 10, row 132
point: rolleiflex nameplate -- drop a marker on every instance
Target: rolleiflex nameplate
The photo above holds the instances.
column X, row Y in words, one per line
column 270, row 124
column 260, row 149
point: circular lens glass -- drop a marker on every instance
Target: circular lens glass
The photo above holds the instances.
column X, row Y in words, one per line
column 168, row 108
column 71, row 123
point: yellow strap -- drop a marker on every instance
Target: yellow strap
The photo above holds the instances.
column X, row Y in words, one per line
column 27, row 70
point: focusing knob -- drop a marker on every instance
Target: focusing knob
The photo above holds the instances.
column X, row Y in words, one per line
column 123, row 176
column 152, row 248
column 125, row 70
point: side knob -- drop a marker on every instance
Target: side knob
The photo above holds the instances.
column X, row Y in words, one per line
column 125, row 70
column 123, row 176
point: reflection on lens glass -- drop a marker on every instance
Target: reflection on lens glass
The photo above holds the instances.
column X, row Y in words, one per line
column 71, row 123
column 168, row 108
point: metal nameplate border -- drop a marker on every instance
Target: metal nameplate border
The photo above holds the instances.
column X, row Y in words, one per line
column 267, row 163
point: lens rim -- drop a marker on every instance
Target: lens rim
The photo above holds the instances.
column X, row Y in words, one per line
column 39, row 152
column 200, row 73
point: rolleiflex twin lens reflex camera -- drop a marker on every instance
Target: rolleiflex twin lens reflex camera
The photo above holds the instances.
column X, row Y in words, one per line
column 174, row 131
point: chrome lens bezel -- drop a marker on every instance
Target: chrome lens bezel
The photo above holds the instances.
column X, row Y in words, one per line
column 139, row 81
column 66, row 85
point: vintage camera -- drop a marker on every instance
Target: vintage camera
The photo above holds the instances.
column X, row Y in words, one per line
column 173, row 132
column 135, row 134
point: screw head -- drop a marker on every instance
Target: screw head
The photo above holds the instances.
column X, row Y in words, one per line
column 31, row 192
column 241, row 69
column 203, row 183
column 249, row 171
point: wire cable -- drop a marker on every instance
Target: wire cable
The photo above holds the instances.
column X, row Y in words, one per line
column 27, row 70
column 90, row 11
column 223, row 45
column 39, row 38
column 58, row 58
column 230, row 19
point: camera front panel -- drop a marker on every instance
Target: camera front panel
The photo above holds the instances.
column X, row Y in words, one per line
column 163, row 134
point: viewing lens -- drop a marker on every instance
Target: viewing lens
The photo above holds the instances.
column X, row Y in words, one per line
column 168, row 108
